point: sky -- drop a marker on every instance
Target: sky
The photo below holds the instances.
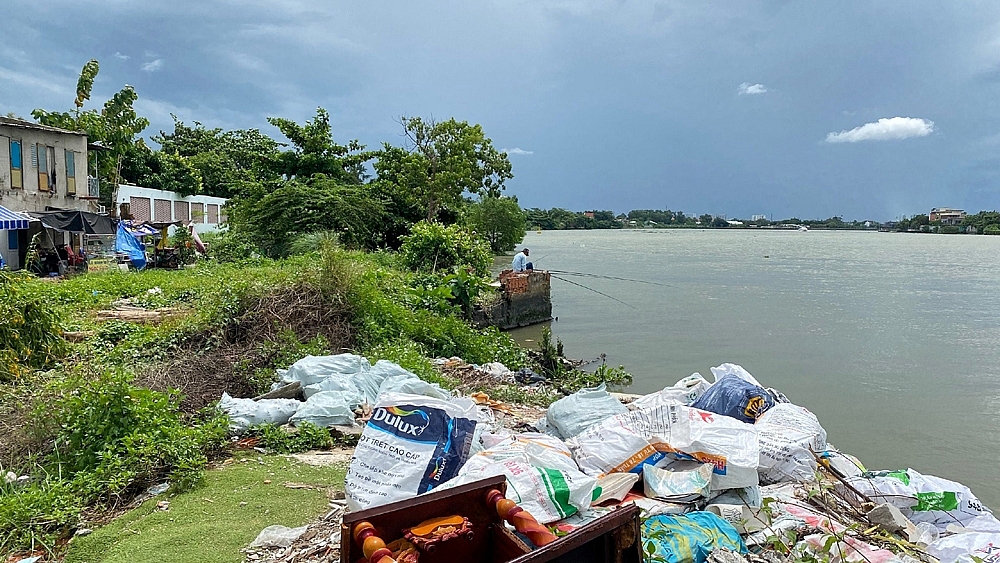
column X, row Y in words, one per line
column 864, row 109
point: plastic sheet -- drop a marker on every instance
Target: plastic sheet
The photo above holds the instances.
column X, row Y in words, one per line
column 688, row 538
column 325, row 409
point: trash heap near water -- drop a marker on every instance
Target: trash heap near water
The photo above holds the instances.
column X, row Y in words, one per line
column 724, row 471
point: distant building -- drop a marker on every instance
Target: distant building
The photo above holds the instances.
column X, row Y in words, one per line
column 759, row 218
column 160, row 206
column 946, row 215
column 588, row 214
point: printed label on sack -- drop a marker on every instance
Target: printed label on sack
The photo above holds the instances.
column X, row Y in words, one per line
column 407, row 450
column 718, row 462
column 646, row 456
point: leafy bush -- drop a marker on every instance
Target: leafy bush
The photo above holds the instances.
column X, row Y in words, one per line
column 432, row 247
column 992, row 230
column 30, row 328
column 307, row 437
column 230, row 246
column 113, row 439
column 37, row 515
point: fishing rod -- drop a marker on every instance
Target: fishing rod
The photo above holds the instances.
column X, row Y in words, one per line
column 594, row 290
column 584, row 274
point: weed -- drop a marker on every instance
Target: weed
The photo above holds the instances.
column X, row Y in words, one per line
column 306, row 437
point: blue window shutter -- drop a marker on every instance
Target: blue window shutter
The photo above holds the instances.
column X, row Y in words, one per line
column 15, row 154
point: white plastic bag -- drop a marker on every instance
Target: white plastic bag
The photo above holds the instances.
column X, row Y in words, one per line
column 972, row 547
column 244, row 413
column 411, row 384
column 922, row 498
column 410, row 445
column 325, row 409
column 539, row 450
column 573, row 414
column 684, row 392
column 788, row 435
column 677, row 486
column 313, row 369
column 612, row 447
column 278, row 536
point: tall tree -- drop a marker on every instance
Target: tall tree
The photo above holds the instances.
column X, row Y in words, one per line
column 500, row 221
column 117, row 126
column 442, row 161
column 315, row 152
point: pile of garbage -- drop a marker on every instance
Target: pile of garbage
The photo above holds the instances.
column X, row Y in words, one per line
column 727, row 469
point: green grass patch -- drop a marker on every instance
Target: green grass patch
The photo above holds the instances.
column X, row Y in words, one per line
column 209, row 524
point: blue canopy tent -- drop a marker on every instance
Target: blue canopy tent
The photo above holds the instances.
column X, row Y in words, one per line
column 10, row 223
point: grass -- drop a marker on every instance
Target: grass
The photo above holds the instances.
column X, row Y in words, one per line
column 208, row 524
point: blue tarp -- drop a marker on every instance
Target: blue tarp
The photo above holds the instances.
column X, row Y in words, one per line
column 128, row 244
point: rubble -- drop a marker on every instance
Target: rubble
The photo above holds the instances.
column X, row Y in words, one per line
column 764, row 486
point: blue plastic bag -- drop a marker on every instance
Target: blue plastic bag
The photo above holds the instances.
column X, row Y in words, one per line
column 688, row 538
column 732, row 396
column 127, row 243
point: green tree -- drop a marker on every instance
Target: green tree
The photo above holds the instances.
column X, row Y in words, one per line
column 294, row 208
column 442, row 161
column 116, row 126
column 174, row 173
column 315, row 152
column 500, row 221
column 228, row 161
column 433, row 247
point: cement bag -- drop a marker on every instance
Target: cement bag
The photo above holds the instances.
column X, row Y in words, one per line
column 684, row 392
column 677, row 486
column 972, row 547
column 325, row 409
column 686, row 434
column 540, row 450
column 410, row 445
column 244, row 413
column 573, row 414
column 788, row 434
column 612, row 447
column 922, row 498
column 313, row 369
column 735, row 397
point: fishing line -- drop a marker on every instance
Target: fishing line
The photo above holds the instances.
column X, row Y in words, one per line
column 584, row 274
column 595, row 291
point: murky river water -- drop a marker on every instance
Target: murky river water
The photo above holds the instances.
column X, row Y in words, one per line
column 893, row 340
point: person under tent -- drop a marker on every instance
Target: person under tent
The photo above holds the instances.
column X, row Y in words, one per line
column 520, row 263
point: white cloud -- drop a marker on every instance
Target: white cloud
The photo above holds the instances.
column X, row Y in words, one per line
column 885, row 129
column 152, row 66
column 750, row 89
column 121, row 56
column 517, row 151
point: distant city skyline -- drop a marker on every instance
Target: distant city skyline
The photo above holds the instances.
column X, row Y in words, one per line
column 867, row 110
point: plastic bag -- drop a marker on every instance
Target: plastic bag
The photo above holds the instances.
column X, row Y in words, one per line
column 612, row 447
column 540, row 450
column 677, row 486
column 971, row 547
column 324, row 409
column 684, row 392
column 244, row 413
column 732, row 395
column 922, row 498
column 411, row 384
column 688, row 538
column 313, row 369
column 410, row 445
column 788, row 435
column 547, row 494
column 573, row 414
column 278, row 536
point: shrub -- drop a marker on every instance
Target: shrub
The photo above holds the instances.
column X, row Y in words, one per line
column 230, row 246
column 30, row 328
column 991, row 230
column 432, row 247
column 37, row 515
column 307, row 437
column 113, row 439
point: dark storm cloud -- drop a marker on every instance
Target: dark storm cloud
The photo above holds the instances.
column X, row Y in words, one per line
column 705, row 107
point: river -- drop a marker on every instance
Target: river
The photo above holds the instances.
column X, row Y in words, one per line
column 892, row 340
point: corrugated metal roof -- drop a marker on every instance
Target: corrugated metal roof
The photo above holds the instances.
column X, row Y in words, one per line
column 21, row 124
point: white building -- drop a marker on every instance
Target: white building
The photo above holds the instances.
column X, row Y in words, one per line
column 160, row 206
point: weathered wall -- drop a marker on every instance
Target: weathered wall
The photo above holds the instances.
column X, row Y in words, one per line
column 524, row 299
column 29, row 197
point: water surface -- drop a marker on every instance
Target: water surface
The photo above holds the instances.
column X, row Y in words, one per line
column 893, row 340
